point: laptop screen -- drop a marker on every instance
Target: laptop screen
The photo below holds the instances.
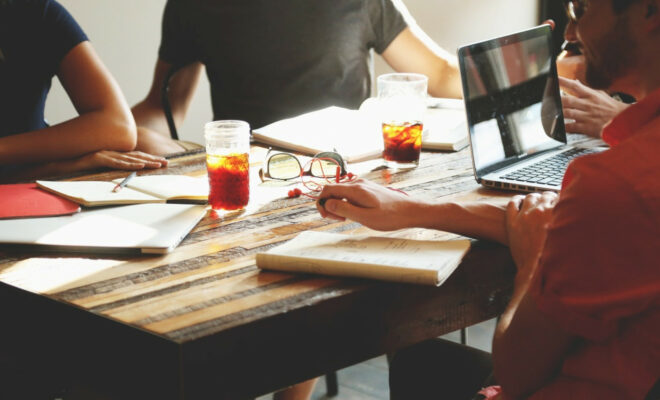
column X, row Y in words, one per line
column 512, row 98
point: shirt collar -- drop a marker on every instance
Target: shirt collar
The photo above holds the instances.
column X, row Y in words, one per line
column 631, row 120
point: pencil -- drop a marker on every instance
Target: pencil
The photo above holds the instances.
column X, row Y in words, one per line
column 124, row 182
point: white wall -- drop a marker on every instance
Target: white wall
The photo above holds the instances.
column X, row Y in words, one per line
column 126, row 34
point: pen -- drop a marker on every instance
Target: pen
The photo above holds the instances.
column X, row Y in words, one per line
column 124, row 182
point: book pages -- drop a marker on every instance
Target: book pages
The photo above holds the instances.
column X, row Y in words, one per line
column 386, row 258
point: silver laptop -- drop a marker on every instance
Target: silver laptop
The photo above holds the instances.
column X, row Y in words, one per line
column 153, row 228
column 514, row 112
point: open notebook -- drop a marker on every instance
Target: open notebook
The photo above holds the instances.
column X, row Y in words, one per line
column 428, row 262
column 138, row 228
column 141, row 189
column 357, row 134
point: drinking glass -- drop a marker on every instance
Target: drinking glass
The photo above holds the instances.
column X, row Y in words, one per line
column 402, row 103
column 227, row 150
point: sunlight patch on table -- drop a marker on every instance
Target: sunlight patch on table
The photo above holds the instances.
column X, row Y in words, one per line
column 44, row 275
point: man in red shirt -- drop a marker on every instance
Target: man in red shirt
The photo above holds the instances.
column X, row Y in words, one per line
column 584, row 318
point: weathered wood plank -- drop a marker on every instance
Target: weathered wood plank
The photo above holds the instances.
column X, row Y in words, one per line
column 226, row 322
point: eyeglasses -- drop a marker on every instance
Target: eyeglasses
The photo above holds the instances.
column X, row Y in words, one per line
column 575, row 9
column 286, row 166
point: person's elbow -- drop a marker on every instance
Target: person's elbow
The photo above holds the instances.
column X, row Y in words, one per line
column 122, row 132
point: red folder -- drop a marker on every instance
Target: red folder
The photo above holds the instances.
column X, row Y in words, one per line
column 27, row 200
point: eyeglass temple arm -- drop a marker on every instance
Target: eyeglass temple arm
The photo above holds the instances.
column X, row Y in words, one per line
column 165, row 101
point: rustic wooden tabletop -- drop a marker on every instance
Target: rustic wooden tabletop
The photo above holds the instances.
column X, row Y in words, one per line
column 204, row 322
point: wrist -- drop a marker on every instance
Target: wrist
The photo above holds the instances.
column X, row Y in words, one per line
column 420, row 213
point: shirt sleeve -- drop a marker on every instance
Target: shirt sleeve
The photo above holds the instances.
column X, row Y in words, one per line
column 177, row 35
column 386, row 21
column 61, row 32
column 600, row 261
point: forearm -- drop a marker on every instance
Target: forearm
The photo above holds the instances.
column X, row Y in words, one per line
column 477, row 220
column 92, row 131
column 414, row 51
column 447, row 82
column 151, row 116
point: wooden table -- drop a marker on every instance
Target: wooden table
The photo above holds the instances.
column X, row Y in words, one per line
column 204, row 322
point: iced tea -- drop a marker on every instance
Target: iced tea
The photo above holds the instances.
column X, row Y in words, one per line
column 402, row 142
column 229, row 181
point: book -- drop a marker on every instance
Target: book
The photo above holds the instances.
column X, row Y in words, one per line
column 130, row 229
column 141, row 189
column 27, row 200
column 350, row 133
column 445, row 125
column 392, row 259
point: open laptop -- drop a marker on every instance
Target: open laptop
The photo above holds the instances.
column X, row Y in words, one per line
column 514, row 112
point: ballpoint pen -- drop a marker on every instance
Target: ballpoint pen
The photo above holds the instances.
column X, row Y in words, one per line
column 124, row 182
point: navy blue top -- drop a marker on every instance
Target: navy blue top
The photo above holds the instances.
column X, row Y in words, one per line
column 35, row 35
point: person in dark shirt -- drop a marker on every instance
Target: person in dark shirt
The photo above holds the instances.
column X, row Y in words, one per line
column 269, row 60
column 39, row 39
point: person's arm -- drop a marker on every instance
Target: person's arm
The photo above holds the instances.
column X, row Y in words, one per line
column 528, row 348
column 590, row 110
column 414, row 51
column 380, row 208
column 104, row 121
column 153, row 131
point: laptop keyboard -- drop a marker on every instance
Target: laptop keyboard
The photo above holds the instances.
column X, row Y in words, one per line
column 549, row 171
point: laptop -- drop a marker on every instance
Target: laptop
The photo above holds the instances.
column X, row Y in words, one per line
column 514, row 113
column 152, row 228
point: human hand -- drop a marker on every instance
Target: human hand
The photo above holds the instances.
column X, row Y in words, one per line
column 527, row 220
column 368, row 203
column 132, row 160
column 589, row 109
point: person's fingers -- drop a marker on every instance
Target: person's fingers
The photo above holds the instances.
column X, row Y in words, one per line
column 530, row 201
column 137, row 161
column 570, row 101
column 575, row 114
column 343, row 209
column 548, row 199
column 582, row 127
column 566, row 83
column 574, row 87
column 148, row 157
column 513, row 211
column 122, row 164
column 549, row 22
column 355, row 193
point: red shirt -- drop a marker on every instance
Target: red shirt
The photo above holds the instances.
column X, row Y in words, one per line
column 599, row 275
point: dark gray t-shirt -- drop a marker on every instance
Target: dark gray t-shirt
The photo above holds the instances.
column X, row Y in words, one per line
column 271, row 59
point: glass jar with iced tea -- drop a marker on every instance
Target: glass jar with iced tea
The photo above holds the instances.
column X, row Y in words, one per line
column 227, row 150
column 402, row 104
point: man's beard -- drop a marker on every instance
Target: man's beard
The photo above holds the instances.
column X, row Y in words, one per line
column 615, row 56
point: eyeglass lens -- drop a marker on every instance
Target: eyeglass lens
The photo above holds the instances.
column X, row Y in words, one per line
column 283, row 166
column 286, row 166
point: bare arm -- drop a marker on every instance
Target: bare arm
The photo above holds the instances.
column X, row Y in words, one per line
column 384, row 209
column 153, row 131
column 104, row 122
column 413, row 51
